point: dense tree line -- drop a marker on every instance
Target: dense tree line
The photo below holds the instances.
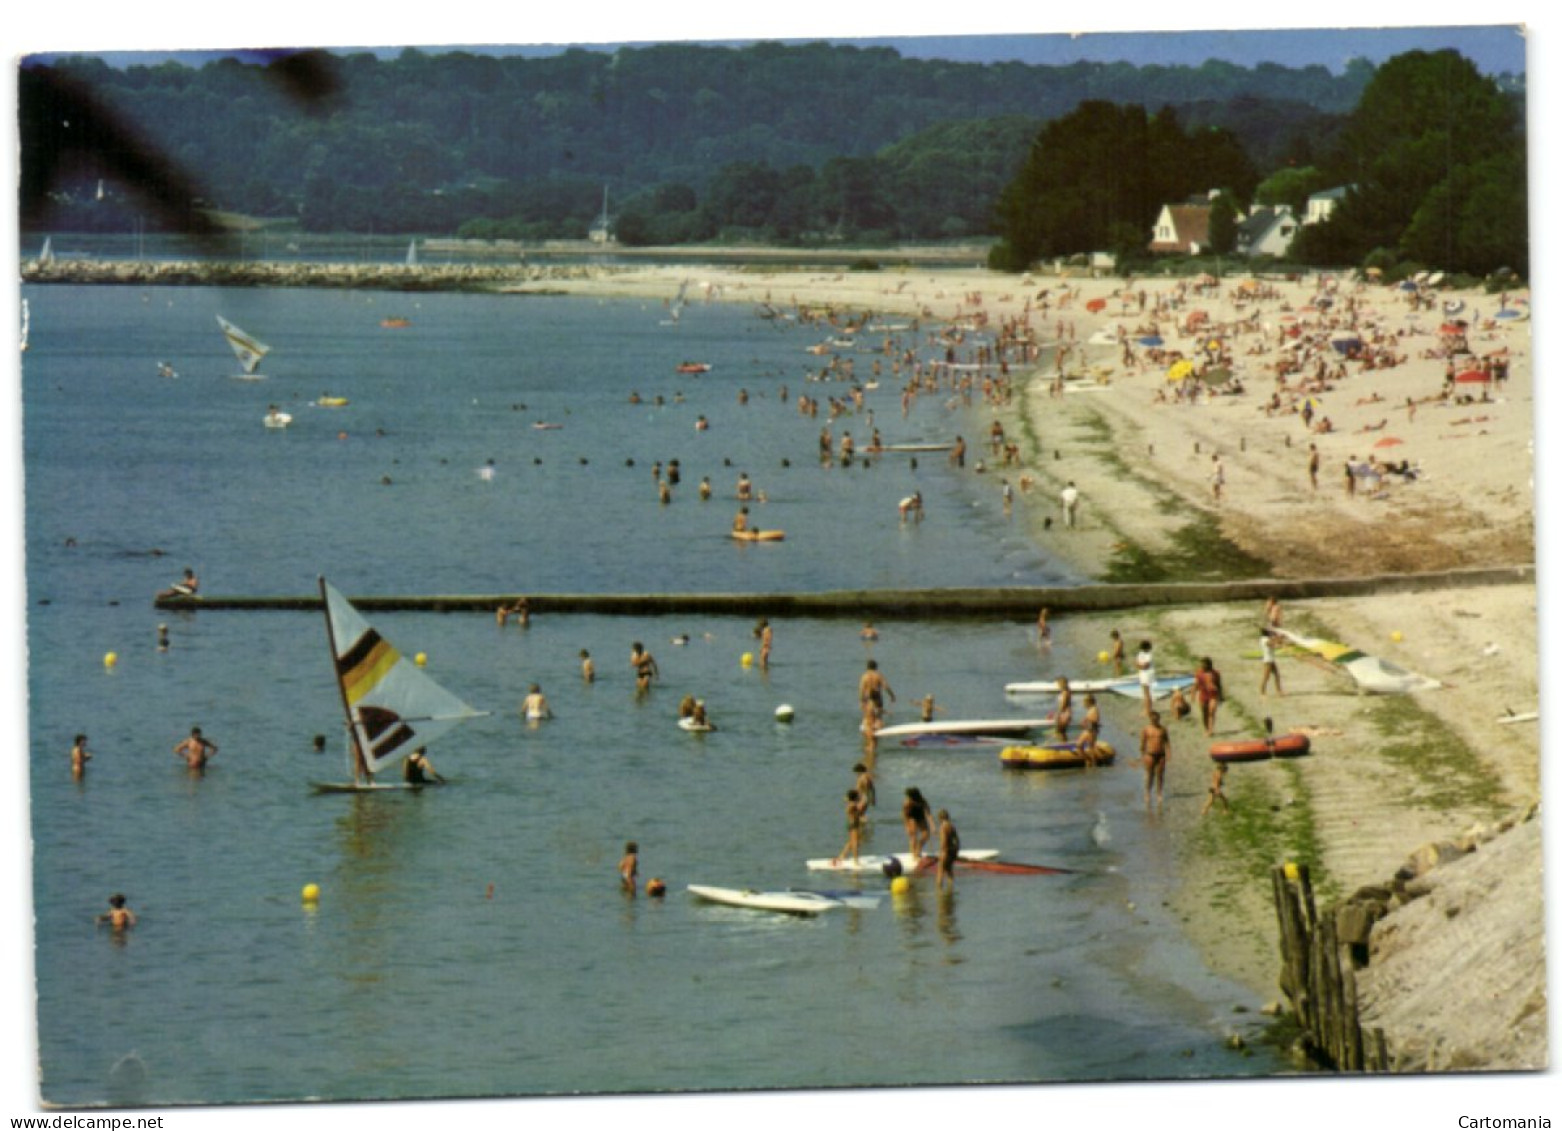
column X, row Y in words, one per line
column 1435, row 160
column 857, row 140
column 805, row 143
column 1432, row 160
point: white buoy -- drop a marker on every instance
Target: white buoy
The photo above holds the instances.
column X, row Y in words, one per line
column 784, row 713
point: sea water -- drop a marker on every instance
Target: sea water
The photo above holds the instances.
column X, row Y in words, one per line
column 473, row 940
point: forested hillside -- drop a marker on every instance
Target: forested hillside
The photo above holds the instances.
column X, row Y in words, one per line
column 840, row 140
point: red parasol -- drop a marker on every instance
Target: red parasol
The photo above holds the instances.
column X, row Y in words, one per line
column 1096, row 305
column 1473, row 376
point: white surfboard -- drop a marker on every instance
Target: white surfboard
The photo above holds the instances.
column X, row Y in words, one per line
column 788, row 902
column 963, row 726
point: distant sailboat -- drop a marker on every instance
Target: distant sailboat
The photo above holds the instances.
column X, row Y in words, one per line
column 678, row 303
column 46, row 256
column 247, row 348
column 412, row 254
column 392, row 708
column 602, row 230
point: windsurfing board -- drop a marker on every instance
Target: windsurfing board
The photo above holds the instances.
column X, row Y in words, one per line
column 907, row 862
column 788, row 902
column 962, row 726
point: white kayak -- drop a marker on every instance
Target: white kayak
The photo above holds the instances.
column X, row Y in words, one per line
column 788, row 902
column 964, row 726
column 907, row 862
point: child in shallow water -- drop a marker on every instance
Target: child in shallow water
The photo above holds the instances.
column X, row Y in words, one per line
column 119, row 917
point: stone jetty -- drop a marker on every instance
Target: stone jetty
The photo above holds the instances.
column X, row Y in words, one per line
column 534, row 277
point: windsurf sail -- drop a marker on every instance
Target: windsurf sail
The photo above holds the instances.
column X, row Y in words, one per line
column 1370, row 673
column 412, row 254
column 249, row 349
column 392, row 707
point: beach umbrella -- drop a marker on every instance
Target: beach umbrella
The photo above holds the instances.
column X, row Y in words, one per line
column 1096, row 305
column 1217, row 375
column 1151, row 340
column 1388, row 442
column 1409, row 285
column 1510, row 313
column 1452, row 329
column 1374, row 272
column 1345, row 345
column 1453, row 306
column 1473, row 377
column 1180, row 372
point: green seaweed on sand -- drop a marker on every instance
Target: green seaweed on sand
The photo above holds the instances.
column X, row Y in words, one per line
column 1440, row 769
column 1196, row 550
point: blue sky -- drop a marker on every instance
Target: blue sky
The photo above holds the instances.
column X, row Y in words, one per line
column 1495, row 49
column 1242, row 31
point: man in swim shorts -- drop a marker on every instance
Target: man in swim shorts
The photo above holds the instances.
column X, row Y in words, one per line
column 871, row 690
column 1154, row 749
column 196, row 751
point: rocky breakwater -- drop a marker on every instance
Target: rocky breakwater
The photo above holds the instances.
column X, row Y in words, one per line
column 532, row 278
column 1456, row 962
column 1440, row 968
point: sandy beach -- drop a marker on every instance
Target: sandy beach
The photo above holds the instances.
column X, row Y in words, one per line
column 1388, row 773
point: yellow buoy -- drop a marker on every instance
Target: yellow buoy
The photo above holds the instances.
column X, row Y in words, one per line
column 748, row 659
column 110, row 659
column 900, row 885
column 311, row 893
column 420, row 659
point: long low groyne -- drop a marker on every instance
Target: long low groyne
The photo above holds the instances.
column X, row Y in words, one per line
column 898, row 604
column 339, row 276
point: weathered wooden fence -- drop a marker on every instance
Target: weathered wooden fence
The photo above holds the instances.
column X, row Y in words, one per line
column 1318, row 974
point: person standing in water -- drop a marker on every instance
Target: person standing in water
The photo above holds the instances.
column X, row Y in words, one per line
column 119, row 917
column 645, row 666
column 948, row 850
column 196, row 750
column 1154, row 749
column 766, row 638
column 915, row 814
column 871, row 689
column 80, row 756
column 629, row 867
column 535, row 705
